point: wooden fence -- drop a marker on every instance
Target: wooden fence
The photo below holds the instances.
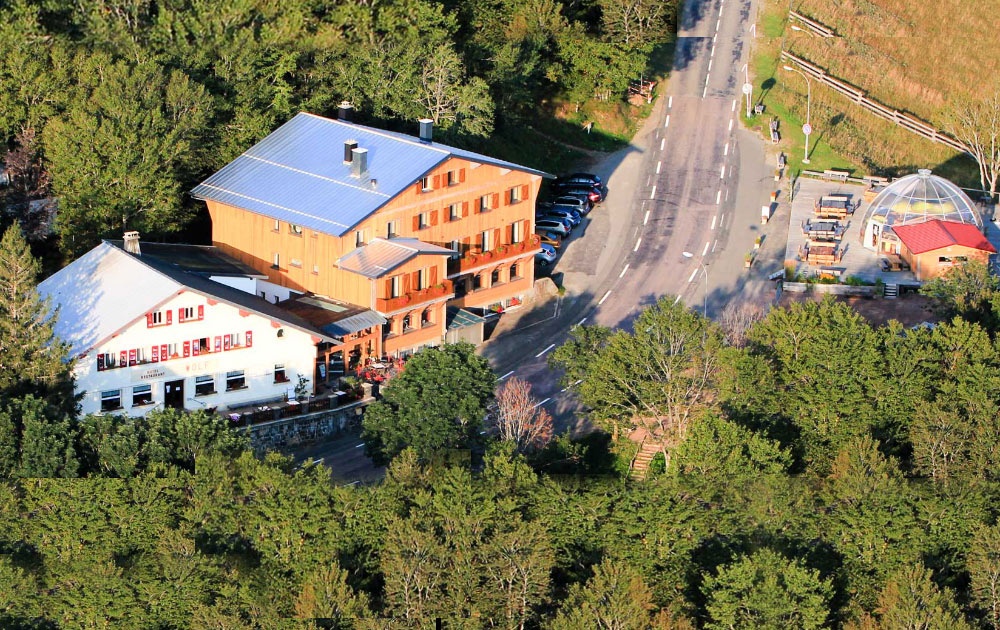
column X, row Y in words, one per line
column 812, row 25
column 858, row 96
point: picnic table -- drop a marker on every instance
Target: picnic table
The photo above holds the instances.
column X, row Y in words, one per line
column 823, row 230
column 834, row 206
column 892, row 262
column 822, row 254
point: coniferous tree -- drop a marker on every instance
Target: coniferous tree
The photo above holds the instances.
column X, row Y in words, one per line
column 32, row 358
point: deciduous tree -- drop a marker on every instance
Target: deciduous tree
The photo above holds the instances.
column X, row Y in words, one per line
column 911, row 600
column 438, row 402
column 615, row 598
column 975, row 121
column 518, row 418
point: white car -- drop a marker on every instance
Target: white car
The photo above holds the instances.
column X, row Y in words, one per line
column 547, row 256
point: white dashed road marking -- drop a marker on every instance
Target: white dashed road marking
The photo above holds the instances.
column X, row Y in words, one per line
column 705, row 251
column 658, row 165
column 713, row 221
column 730, row 124
column 670, row 102
column 506, row 375
column 694, row 272
column 733, row 109
column 718, row 197
column 580, row 323
column 645, row 219
column 666, row 123
column 604, row 298
column 637, row 243
column 725, row 150
column 663, row 141
column 722, row 172
column 622, row 274
column 652, row 193
column 551, row 345
column 541, row 403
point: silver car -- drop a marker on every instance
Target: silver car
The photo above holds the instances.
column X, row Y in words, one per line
column 552, row 225
column 547, row 256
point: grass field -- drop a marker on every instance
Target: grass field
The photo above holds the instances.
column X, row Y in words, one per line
column 909, row 55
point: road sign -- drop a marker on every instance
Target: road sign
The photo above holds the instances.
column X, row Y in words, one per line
column 807, row 129
column 747, row 88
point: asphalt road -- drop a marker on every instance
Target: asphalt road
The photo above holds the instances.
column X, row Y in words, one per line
column 691, row 181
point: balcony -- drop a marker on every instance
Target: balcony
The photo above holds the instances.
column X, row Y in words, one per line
column 474, row 260
column 414, row 298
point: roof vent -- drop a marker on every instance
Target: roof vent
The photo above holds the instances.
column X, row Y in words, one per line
column 132, row 243
column 349, row 146
column 345, row 111
column 359, row 163
column 374, row 183
column 924, row 172
column 426, row 129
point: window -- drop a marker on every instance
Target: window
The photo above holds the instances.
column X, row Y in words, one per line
column 425, row 220
column 277, row 225
column 495, row 277
column 203, row 345
column 457, row 246
column 423, row 278
column 316, row 270
column 425, row 183
column 235, row 380
column 189, row 314
column 142, row 395
column 485, row 203
column 396, row 286
column 111, row 400
column 391, row 229
column 516, row 232
column 158, row 318
column 455, row 212
column 295, row 229
column 425, row 318
column 515, row 271
column 477, row 282
column 452, row 178
column 295, row 262
column 514, row 194
column 359, row 238
column 276, row 261
column 486, row 240
column 279, row 373
column 407, row 323
column 106, row 361
column 204, row 385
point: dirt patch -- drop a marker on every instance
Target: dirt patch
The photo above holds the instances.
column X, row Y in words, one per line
column 908, row 310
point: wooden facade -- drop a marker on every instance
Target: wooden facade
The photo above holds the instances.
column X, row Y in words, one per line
column 483, row 211
column 937, row 262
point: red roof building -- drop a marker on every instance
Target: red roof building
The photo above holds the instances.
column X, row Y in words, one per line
column 934, row 246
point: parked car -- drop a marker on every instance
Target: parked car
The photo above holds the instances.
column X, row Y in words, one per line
column 550, row 238
column 579, row 203
column 593, row 193
column 588, row 179
column 547, row 256
column 552, row 225
column 572, row 216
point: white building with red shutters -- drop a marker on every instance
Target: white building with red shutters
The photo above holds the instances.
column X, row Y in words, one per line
column 146, row 333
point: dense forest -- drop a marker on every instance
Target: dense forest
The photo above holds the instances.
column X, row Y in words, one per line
column 117, row 108
column 815, row 472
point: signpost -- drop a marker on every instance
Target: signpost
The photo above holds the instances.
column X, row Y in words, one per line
column 748, row 90
column 806, row 129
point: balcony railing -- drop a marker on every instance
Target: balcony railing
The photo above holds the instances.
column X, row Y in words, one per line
column 473, row 260
column 413, row 298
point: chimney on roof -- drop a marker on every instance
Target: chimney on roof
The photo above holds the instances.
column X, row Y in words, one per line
column 345, row 111
column 349, row 146
column 426, row 130
column 132, row 243
column 359, row 163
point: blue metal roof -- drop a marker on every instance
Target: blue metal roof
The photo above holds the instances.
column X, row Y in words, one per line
column 297, row 173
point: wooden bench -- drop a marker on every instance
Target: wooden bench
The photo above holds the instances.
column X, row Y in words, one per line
column 835, row 174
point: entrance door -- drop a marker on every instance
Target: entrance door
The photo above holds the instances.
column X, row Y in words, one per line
column 173, row 394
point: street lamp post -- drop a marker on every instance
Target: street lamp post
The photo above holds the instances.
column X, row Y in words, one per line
column 705, row 270
column 806, row 128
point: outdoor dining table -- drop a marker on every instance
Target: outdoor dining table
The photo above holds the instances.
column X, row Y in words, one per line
column 821, row 255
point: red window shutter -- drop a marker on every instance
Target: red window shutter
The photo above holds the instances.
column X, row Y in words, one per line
column 156, row 354
column 249, row 339
column 124, row 358
column 169, row 316
column 446, row 214
column 461, row 175
column 437, row 182
column 132, row 357
column 163, row 352
column 227, row 342
column 388, row 287
column 419, row 186
column 218, row 343
column 100, row 362
column 149, row 320
column 508, row 234
column 465, row 208
column 416, row 222
column 187, row 348
column 479, row 205
column 496, row 200
column 434, row 275
column 180, row 315
column 524, row 192
column 406, row 283
column 195, row 348
column 434, row 217
column 496, row 237
column 201, row 311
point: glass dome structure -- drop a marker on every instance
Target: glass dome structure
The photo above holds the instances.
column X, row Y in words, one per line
column 914, row 199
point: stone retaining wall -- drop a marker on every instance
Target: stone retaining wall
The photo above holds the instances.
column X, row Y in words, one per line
column 288, row 433
column 832, row 289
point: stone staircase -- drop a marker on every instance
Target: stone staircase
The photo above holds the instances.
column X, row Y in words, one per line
column 640, row 465
column 891, row 291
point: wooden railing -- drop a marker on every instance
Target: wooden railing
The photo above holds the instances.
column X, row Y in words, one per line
column 441, row 289
column 502, row 252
